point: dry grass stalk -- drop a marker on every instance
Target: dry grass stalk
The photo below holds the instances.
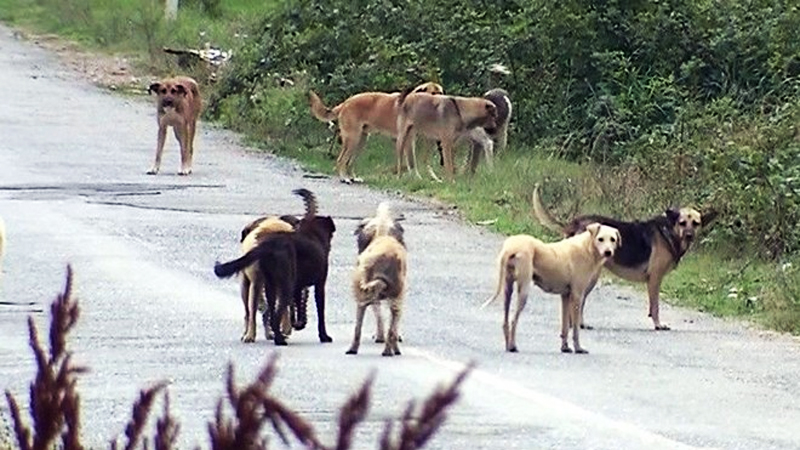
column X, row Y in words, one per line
column 54, row 401
column 55, row 407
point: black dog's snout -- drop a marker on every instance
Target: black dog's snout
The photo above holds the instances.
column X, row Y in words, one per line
column 491, row 130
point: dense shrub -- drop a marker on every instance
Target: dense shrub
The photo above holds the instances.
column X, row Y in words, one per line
column 704, row 90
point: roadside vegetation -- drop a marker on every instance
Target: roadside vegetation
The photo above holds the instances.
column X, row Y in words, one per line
column 620, row 107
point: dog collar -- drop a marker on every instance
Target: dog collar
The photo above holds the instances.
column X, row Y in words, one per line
column 673, row 243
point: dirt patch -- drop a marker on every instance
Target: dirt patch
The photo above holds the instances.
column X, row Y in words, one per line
column 110, row 71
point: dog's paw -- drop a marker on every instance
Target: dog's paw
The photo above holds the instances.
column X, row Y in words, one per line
column 512, row 349
column 380, row 340
column 247, row 339
column 152, row 171
column 581, row 351
column 565, row 349
column 351, row 352
column 663, row 328
column 325, row 339
column 586, row 327
column 387, row 353
column 397, row 352
column 184, row 173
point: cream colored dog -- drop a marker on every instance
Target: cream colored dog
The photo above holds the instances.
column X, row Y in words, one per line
column 567, row 268
column 380, row 275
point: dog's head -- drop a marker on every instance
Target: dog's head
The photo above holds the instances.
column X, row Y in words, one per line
column 320, row 228
column 484, row 114
column 606, row 239
column 687, row 222
column 429, row 88
column 383, row 224
column 169, row 92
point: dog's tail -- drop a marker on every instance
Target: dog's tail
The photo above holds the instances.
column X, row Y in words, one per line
column 405, row 93
column 225, row 270
column 310, row 200
column 543, row 215
column 319, row 110
column 502, row 274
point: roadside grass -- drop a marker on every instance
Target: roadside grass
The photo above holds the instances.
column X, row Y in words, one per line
column 708, row 278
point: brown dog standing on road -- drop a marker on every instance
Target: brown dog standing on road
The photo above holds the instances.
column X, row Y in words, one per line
column 358, row 117
column 650, row 248
column 566, row 267
column 443, row 118
column 178, row 106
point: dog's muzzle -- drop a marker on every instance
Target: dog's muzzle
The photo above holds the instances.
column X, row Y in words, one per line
column 491, row 130
column 608, row 253
column 167, row 103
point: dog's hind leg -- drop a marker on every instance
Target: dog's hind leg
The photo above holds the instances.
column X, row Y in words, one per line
column 319, row 299
column 574, row 312
column 360, row 310
column 244, row 290
column 380, row 335
column 391, row 347
column 162, row 138
column 565, row 322
column 254, row 290
column 508, row 292
column 523, row 289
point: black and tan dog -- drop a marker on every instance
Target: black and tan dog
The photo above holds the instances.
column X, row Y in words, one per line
column 442, row 118
column 650, row 248
column 380, row 276
column 359, row 116
column 178, row 106
column 290, row 262
column 566, row 268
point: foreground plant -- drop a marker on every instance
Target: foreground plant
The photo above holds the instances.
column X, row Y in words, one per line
column 54, row 405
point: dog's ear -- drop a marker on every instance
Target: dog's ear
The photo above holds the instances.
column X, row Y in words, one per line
column 707, row 217
column 672, row 215
column 593, row 228
column 619, row 239
column 153, row 89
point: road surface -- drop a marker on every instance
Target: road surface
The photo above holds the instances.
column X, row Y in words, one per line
column 73, row 190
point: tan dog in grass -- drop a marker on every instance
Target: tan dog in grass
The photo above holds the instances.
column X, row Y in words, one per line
column 358, row 117
column 566, row 267
column 252, row 283
column 442, row 118
column 178, row 106
column 380, row 275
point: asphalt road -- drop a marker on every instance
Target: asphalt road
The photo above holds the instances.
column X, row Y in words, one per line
column 73, row 190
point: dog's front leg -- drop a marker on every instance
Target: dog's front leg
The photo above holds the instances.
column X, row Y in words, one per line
column 653, row 288
column 162, row 138
column 575, row 314
column 589, row 289
column 181, row 135
column 319, row 298
column 360, row 309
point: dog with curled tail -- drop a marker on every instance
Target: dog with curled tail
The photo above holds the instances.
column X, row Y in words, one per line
column 380, row 276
